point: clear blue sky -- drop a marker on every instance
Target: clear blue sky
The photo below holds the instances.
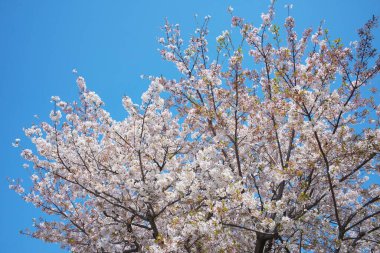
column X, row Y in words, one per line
column 111, row 43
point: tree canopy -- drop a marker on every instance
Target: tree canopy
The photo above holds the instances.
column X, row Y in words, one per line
column 270, row 146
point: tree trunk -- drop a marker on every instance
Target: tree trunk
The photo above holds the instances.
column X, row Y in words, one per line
column 260, row 244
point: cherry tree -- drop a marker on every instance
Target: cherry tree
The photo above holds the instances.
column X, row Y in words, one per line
column 272, row 145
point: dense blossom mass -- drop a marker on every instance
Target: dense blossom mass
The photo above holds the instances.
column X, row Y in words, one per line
column 272, row 145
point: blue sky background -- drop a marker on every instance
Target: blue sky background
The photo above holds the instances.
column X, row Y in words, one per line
column 111, row 43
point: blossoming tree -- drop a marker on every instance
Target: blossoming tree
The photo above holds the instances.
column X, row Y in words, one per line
column 273, row 146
